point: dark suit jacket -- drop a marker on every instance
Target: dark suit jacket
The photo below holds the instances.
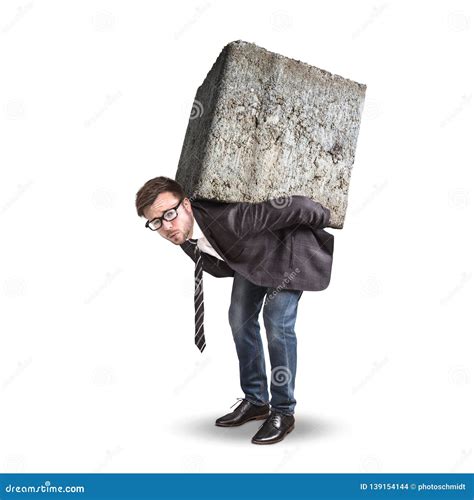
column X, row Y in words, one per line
column 270, row 245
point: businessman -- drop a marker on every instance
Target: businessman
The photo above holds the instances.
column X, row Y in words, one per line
column 274, row 250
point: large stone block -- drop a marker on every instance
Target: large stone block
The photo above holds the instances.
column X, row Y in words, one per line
column 264, row 126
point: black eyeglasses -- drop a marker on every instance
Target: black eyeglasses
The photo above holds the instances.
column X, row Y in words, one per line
column 169, row 215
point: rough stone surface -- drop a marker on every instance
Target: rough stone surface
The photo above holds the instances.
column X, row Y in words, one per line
column 264, row 126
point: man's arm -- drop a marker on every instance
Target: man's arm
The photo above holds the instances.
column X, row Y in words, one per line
column 251, row 218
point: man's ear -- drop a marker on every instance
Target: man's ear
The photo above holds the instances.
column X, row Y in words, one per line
column 187, row 204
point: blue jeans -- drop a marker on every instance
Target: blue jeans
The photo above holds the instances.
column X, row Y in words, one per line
column 279, row 316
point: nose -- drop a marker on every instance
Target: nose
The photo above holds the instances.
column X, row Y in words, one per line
column 167, row 224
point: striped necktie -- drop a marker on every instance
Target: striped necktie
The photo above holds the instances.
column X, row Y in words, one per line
column 199, row 338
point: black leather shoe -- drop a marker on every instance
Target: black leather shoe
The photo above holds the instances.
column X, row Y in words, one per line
column 245, row 412
column 274, row 429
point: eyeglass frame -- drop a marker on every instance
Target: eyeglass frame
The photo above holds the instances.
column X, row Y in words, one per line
column 147, row 224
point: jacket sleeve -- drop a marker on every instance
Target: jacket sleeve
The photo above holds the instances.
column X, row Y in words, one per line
column 251, row 218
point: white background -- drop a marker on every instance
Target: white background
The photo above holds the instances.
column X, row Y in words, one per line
column 98, row 368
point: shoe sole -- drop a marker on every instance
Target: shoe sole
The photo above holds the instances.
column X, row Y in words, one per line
column 258, row 417
column 275, row 440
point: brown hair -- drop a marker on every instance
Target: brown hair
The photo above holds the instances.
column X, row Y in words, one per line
column 148, row 193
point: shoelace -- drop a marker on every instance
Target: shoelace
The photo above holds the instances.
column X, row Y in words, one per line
column 238, row 399
column 272, row 418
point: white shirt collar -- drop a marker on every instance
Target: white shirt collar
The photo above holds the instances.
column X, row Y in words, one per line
column 197, row 233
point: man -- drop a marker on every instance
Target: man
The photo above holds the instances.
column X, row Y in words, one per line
column 274, row 250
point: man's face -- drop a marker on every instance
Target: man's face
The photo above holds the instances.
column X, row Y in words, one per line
column 176, row 230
